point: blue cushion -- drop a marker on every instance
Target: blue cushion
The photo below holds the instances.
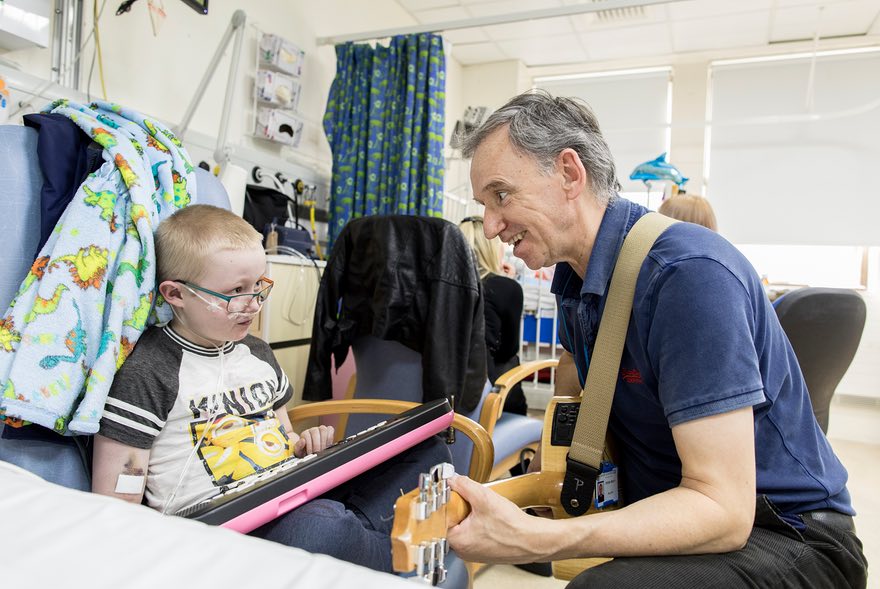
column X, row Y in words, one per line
column 209, row 190
column 513, row 432
column 20, row 184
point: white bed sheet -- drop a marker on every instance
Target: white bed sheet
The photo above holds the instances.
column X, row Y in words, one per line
column 55, row 536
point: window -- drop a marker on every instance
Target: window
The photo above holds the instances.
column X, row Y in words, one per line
column 634, row 108
column 793, row 148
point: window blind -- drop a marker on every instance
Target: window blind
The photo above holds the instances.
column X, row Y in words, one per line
column 633, row 111
column 793, row 150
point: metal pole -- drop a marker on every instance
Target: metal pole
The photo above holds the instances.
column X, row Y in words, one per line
column 222, row 152
column 236, row 25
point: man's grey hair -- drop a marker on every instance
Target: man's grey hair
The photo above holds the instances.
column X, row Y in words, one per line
column 542, row 126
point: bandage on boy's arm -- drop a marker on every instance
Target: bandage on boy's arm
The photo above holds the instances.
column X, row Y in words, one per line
column 119, row 470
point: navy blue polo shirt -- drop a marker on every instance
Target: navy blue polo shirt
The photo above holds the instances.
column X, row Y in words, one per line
column 703, row 339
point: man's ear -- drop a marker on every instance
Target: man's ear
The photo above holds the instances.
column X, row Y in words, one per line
column 171, row 292
column 574, row 175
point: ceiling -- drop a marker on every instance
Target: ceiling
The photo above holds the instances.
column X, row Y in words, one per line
column 668, row 29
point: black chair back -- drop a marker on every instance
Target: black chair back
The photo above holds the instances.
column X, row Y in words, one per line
column 824, row 326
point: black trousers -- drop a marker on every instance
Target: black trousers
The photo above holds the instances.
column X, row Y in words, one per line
column 777, row 555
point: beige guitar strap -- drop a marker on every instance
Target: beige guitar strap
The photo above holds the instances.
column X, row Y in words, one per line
column 585, row 455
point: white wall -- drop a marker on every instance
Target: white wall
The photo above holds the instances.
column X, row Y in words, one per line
column 158, row 75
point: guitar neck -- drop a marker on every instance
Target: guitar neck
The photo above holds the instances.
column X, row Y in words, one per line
column 414, row 527
column 422, row 516
column 535, row 489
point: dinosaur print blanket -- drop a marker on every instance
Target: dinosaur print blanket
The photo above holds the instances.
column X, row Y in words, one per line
column 92, row 290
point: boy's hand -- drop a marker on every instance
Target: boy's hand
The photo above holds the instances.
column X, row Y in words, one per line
column 312, row 440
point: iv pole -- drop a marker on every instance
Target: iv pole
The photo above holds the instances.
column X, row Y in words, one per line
column 223, row 152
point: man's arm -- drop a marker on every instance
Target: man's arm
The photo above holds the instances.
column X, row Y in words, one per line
column 711, row 511
column 567, row 382
column 119, row 470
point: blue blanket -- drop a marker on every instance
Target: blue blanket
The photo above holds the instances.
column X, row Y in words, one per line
column 92, row 290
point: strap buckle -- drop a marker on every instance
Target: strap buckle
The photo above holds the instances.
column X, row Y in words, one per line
column 577, row 486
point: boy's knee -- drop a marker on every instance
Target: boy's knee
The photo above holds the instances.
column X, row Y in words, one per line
column 305, row 526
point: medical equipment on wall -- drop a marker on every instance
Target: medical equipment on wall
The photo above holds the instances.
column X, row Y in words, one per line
column 275, row 211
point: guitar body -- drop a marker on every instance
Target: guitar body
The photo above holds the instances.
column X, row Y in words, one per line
column 420, row 531
column 553, row 455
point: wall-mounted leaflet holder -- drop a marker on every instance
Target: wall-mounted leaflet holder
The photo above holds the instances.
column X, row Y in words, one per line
column 278, row 53
column 277, row 91
column 279, row 125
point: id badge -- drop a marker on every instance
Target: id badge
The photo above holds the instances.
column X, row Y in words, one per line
column 606, row 486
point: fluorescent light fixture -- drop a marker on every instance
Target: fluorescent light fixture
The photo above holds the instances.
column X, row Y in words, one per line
column 789, row 56
column 604, row 74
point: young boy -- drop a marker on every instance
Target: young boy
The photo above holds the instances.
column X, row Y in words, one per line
column 200, row 402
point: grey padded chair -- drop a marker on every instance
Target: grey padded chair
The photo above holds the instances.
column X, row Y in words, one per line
column 824, row 326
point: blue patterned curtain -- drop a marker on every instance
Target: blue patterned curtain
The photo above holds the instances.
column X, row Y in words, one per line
column 384, row 122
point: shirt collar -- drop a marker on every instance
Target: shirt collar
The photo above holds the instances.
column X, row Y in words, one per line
column 619, row 217
column 196, row 348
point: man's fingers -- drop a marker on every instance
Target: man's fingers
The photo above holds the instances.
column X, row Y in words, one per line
column 535, row 462
column 470, row 491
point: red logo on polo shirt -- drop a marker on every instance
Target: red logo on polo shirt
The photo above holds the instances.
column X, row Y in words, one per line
column 631, row 376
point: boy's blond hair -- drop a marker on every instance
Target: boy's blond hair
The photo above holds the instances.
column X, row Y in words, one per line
column 185, row 239
column 485, row 249
column 690, row 208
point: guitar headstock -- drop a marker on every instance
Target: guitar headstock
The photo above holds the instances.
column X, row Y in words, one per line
column 418, row 538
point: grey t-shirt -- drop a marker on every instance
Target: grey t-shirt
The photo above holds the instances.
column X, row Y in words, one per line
column 170, row 389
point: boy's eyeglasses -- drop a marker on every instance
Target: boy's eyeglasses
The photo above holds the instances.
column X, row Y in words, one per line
column 238, row 303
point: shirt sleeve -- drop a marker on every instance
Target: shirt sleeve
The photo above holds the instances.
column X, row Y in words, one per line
column 140, row 398
column 702, row 341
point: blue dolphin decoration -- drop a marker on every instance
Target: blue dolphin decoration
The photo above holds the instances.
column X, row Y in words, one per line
column 657, row 169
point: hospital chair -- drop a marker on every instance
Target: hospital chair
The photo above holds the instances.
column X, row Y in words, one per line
column 58, row 459
column 389, row 370
column 417, row 269
column 824, row 326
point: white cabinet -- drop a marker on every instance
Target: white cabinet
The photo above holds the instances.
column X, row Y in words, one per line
column 286, row 319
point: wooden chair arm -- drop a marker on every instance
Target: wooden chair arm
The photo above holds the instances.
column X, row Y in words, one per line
column 494, row 403
column 484, row 451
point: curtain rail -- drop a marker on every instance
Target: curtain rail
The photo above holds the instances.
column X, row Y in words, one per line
column 498, row 19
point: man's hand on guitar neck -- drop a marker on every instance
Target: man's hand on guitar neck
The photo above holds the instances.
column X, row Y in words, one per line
column 496, row 530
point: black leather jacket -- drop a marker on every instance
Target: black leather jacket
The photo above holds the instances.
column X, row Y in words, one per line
column 408, row 279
